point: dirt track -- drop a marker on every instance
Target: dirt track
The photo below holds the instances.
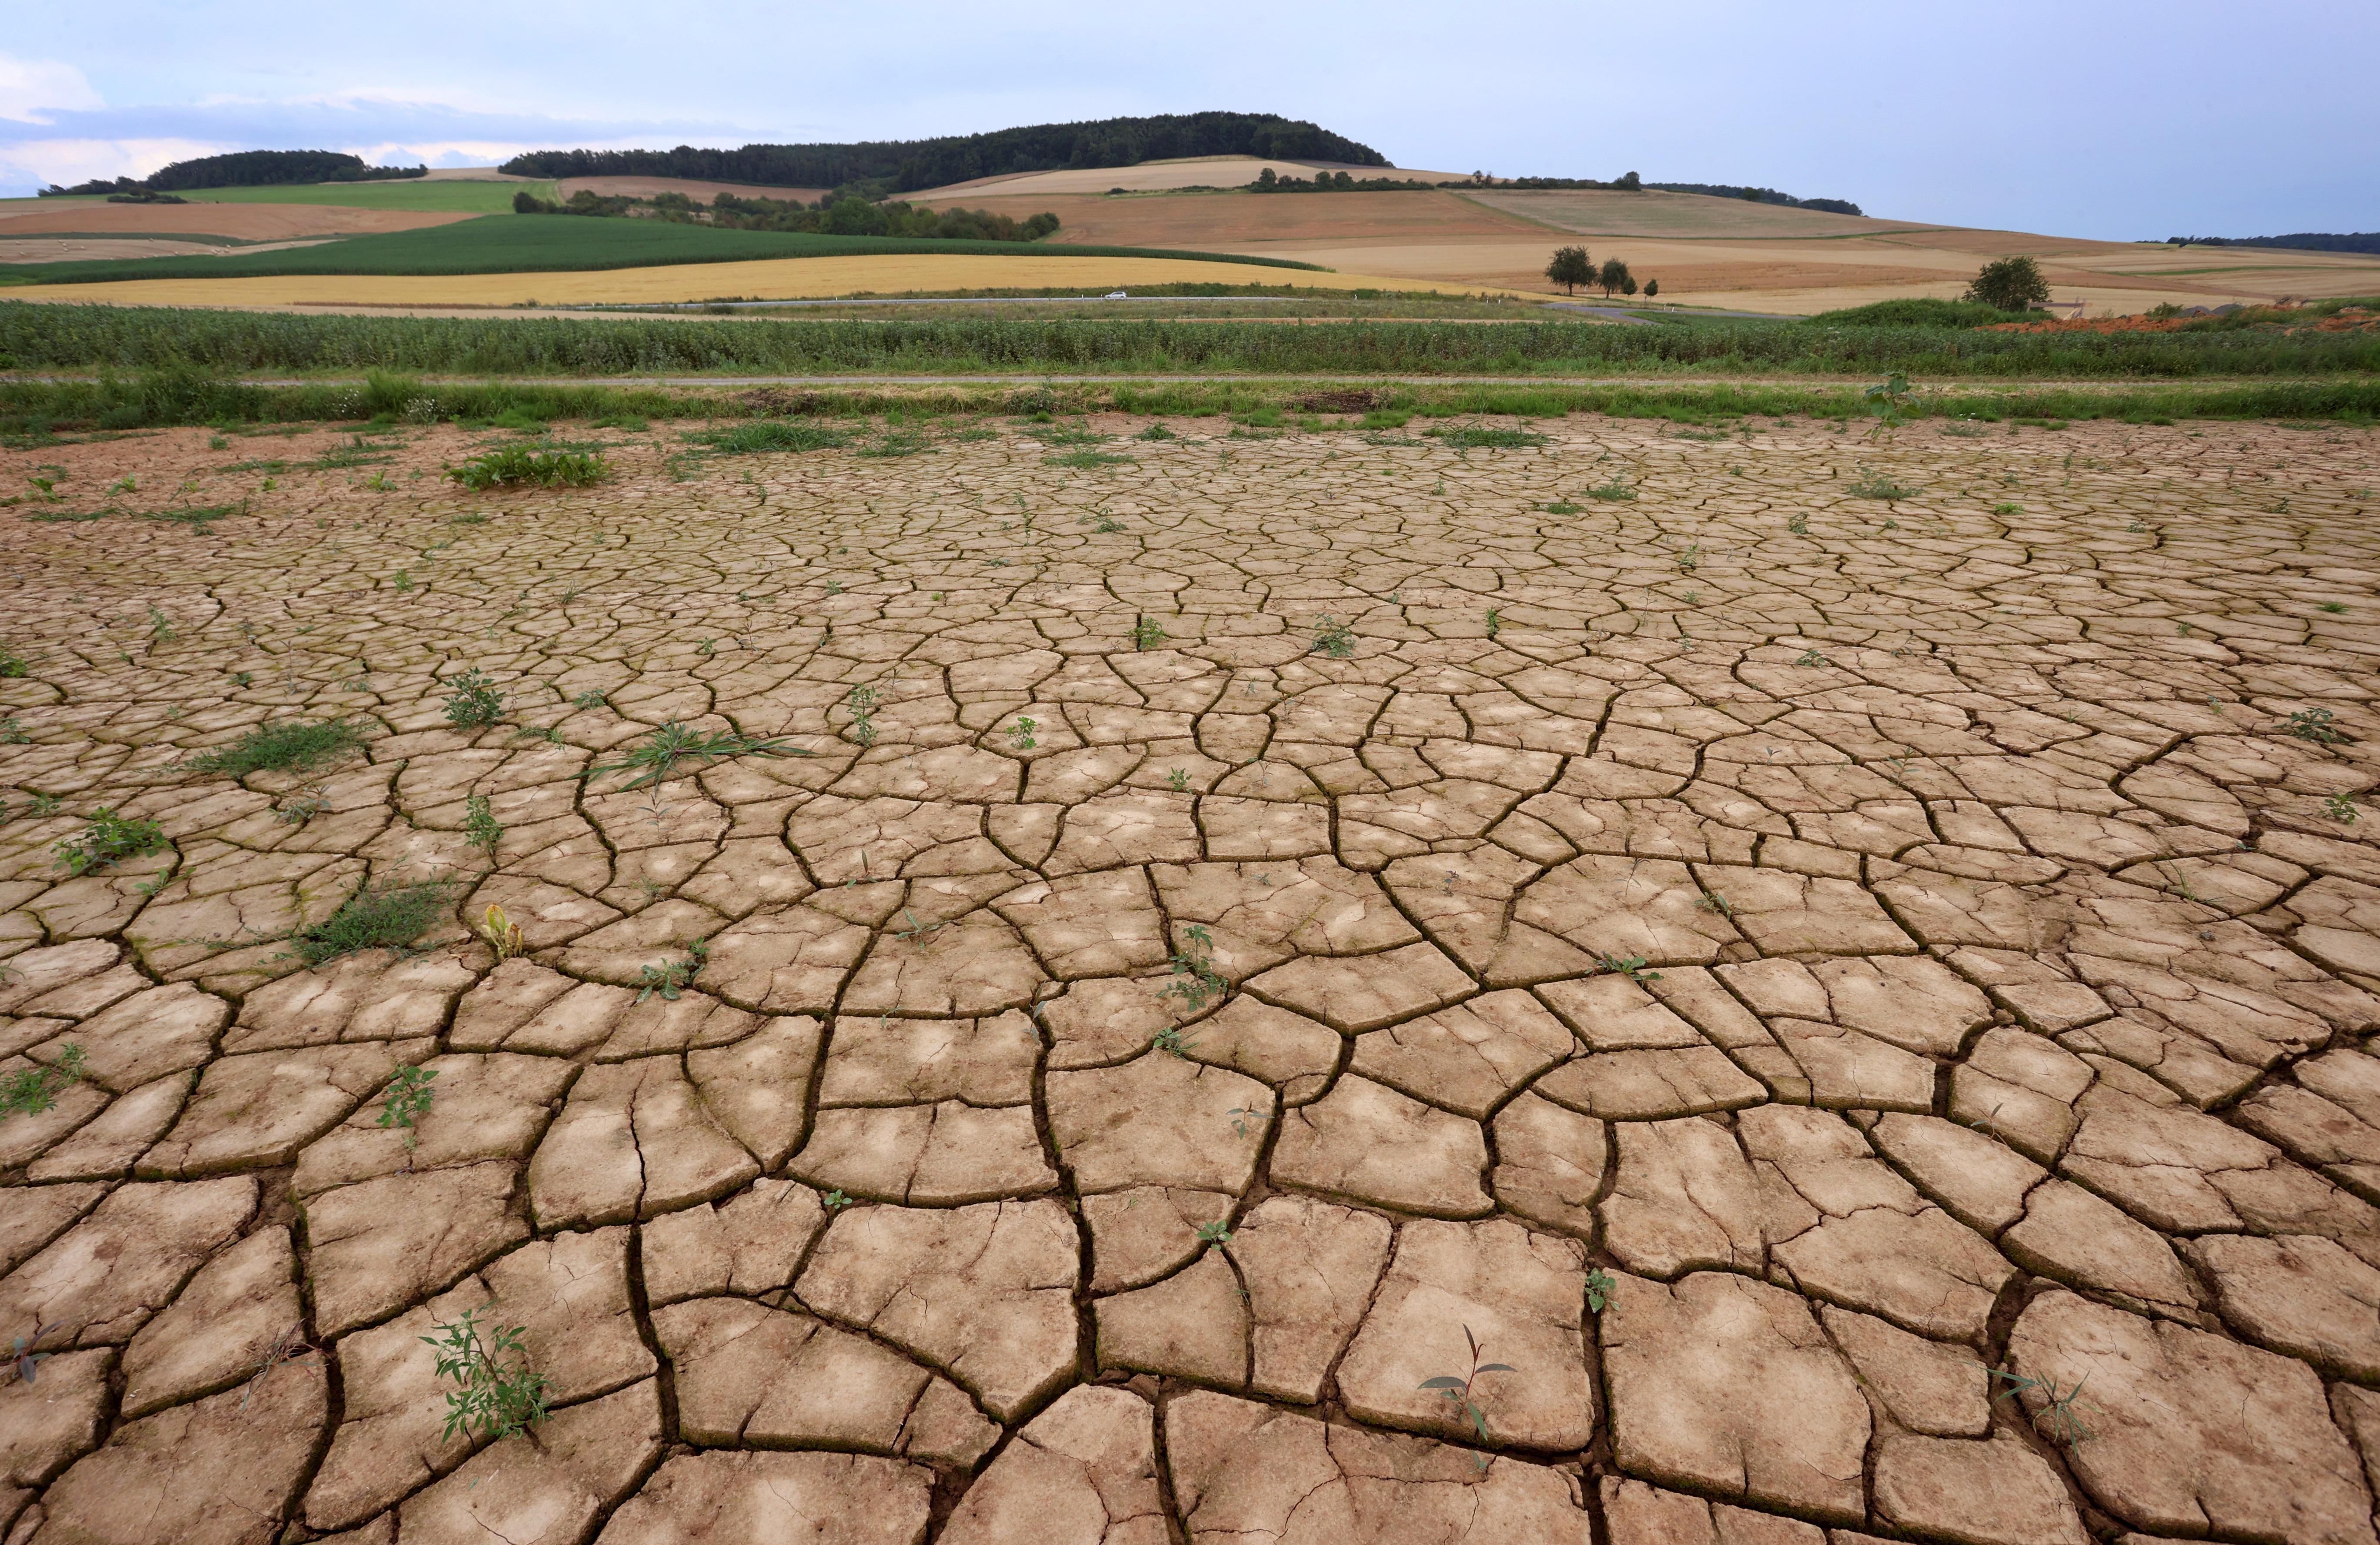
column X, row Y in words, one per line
column 1851, row 941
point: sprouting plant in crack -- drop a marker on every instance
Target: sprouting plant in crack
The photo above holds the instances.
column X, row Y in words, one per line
column 289, row 1347
column 655, row 758
column 480, row 827
column 1799, row 525
column 666, row 980
column 22, row 1354
column 1195, row 978
column 862, row 702
column 1629, row 966
column 1599, row 1283
column 2055, row 1416
column 1147, row 633
column 917, row 932
column 591, row 699
column 834, row 1200
column 499, row 1394
column 1812, row 659
column 34, row 1090
column 1217, row 1232
column 1178, row 780
column 408, row 1099
column 1169, row 1041
column 1333, row 638
column 2314, row 724
column 1713, row 902
column 1495, row 621
column 2340, row 808
column 475, row 702
column 502, row 934
column 1463, row 1390
column 1241, row 1118
column 1020, row 734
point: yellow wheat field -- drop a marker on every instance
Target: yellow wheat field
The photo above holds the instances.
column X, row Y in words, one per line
column 770, row 278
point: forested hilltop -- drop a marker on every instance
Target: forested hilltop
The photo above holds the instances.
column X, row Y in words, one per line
column 907, row 164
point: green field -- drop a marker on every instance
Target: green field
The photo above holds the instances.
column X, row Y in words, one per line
column 443, row 198
column 553, row 243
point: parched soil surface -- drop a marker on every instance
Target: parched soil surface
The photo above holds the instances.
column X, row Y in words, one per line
column 1860, row 1005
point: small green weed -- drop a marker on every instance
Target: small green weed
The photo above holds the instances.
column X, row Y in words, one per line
column 1561, row 506
column 21, row 1356
column 2314, row 724
column 480, row 827
column 1178, row 780
column 1195, row 978
column 1086, row 459
column 1599, row 1283
column 281, row 746
column 1799, row 525
column 1615, row 489
column 109, row 839
column 408, row 1099
column 1876, row 485
column 1889, row 400
column 1169, row 1041
column 2340, row 807
column 656, row 758
column 591, row 699
column 1332, row 637
column 1629, row 966
column 1157, row 432
column 1217, row 1232
column 666, row 980
column 32, row 1090
column 2331, row 606
column 895, row 442
column 12, row 665
column 501, row 1395
column 1495, row 621
column 1020, row 734
column 2056, row 1416
column 475, row 702
column 1461, row 1390
column 1147, row 633
column 768, row 435
column 1812, row 659
column 2004, row 509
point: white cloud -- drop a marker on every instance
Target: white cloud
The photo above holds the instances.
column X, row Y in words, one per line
column 28, row 86
column 37, row 162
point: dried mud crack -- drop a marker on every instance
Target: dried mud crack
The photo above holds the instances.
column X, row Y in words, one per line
column 1846, row 963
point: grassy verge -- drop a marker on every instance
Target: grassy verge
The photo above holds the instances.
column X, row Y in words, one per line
column 35, row 412
column 84, row 337
column 558, row 244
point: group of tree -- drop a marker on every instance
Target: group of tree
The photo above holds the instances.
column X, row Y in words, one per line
column 2303, row 242
column 1270, row 181
column 246, row 169
column 2009, row 285
column 1573, row 267
column 908, row 165
column 841, row 214
column 1758, row 196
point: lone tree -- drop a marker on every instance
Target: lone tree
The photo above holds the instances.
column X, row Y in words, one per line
column 1612, row 277
column 1571, row 268
column 1652, row 288
column 2009, row 284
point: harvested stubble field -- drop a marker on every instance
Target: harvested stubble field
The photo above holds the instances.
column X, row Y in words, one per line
column 1808, row 949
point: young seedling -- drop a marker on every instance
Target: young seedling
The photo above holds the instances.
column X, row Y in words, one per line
column 1020, row 734
column 1811, row 657
column 408, row 1099
column 2055, row 1415
column 501, row 1395
column 34, row 1090
column 1178, row 780
column 109, row 839
column 480, row 827
column 590, row 700
column 1876, row 485
column 1242, row 1118
column 917, row 932
column 2340, row 807
column 22, row 1354
column 862, row 704
column 1217, row 1232
column 501, row 933
column 1629, row 966
column 1599, row 1283
column 474, row 701
column 1169, row 1041
column 1617, row 489
column 1799, row 525
column 1461, row 1391
column 1889, row 400
column 1691, row 558
column 1147, row 633
column 12, row 665
column 1333, row 638
column 668, row 978
column 1495, row 621
column 2314, row 724
column 2332, row 606
column 1713, row 902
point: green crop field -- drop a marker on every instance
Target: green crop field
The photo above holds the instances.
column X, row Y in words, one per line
column 555, row 243
column 444, row 198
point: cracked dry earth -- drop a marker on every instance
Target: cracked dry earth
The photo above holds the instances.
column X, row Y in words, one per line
column 1771, row 979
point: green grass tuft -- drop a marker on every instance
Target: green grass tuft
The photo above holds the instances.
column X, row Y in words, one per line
column 511, row 465
column 377, row 918
column 770, row 434
column 286, row 745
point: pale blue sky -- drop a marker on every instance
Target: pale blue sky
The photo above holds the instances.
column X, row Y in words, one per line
column 2113, row 118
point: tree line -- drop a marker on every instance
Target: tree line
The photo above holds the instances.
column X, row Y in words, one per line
column 1572, row 266
column 1758, row 196
column 907, row 164
column 245, row 169
column 2305, row 241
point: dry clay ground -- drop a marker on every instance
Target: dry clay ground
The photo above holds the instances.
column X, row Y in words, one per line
column 1752, row 956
